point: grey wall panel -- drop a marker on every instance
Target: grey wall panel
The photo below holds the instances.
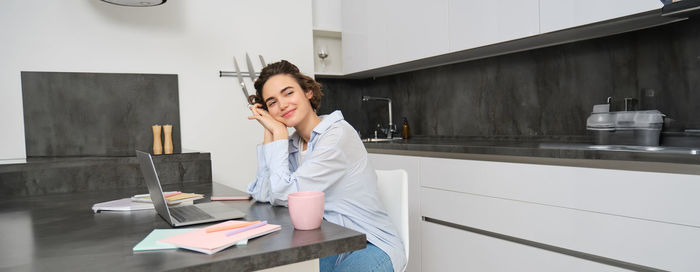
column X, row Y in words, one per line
column 542, row 92
column 97, row 114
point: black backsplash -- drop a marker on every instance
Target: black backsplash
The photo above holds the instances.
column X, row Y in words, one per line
column 542, row 92
column 97, row 114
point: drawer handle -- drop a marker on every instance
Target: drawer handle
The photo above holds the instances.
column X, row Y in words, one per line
column 561, row 250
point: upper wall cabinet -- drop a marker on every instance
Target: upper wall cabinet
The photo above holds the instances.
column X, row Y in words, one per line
column 384, row 32
column 326, row 15
column 562, row 14
column 389, row 36
column 475, row 23
column 355, row 23
column 416, row 29
column 327, row 26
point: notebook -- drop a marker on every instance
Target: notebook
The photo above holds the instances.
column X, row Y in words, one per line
column 186, row 215
column 213, row 242
column 150, row 243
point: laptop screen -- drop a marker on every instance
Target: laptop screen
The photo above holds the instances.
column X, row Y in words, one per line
column 153, row 183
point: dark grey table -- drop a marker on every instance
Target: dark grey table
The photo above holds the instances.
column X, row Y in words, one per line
column 61, row 233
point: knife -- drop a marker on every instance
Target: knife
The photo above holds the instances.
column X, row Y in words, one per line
column 251, row 69
column 240, row 79
column 262, row 61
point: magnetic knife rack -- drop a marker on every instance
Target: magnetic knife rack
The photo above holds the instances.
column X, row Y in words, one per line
column 239, row 74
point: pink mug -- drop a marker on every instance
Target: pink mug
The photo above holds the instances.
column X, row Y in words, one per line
column 306, row 209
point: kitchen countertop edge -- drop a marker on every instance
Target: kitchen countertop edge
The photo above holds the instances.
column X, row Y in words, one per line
column 616, row 160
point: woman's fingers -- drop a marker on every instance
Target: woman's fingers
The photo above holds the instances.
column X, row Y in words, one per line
column 263, row 117
column 258, row 110
column 255, row 111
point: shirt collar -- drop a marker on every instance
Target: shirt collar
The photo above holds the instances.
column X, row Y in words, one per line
column 323, row 126
column 327, row 121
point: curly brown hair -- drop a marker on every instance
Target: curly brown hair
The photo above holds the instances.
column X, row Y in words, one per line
column 284, row 67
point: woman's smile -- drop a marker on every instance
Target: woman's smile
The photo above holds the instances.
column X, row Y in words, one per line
column 288, row 114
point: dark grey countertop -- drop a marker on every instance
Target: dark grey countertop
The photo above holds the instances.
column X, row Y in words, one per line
column 520, row 148
column 61, row 233
column 33, row 162
column 51, row 175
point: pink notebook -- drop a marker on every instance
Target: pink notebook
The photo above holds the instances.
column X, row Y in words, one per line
column 213, row 242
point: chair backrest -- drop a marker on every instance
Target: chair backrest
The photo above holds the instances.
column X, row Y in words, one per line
column 392, row 187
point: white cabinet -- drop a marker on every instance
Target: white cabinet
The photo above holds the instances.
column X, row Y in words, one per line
column 671, row 198
column 384, row 32
column 364, row 35
column 450, row 249
column 562, row 14
column 647, row 219
column 327, row 34
column 475, row 23
column 327, row 15
column 355, row 35
column 411, row 165
column 416, row 29
column 642, row 218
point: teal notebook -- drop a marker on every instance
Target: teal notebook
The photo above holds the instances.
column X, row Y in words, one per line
column 151, row 241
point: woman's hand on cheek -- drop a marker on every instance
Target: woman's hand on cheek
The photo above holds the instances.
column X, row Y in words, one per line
column 278, row 130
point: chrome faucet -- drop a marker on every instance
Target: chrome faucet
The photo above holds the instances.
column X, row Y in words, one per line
column 390, row 129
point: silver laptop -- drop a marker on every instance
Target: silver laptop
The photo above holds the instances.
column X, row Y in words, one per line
column 182, row 215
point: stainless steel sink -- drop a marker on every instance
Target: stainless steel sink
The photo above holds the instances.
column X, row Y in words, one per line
column 380, row 140
column 626, row 148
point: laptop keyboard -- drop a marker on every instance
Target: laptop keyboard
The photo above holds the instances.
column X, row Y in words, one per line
column 189, row 213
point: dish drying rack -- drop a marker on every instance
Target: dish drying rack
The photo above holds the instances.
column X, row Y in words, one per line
column 240, row 75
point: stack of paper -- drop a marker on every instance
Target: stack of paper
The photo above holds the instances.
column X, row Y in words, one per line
column 151, row 242
column 212, row 242
column 124, row 204
column 143, row 202
column 170, row 197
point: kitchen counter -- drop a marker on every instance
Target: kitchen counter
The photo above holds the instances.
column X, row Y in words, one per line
column 565, row 150
column 50, row 175
column 61, row 233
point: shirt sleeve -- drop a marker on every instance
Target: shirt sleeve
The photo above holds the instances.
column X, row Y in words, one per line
column 325, row 165
column 259, row 188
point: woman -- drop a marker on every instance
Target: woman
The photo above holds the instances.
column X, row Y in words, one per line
column 324, row 154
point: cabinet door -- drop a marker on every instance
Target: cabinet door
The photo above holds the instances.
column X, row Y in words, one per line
column 450, row 249
column 386, row 32
column 327, row 15
column 416, row 29
column 377, row 33
column 561, row 14
column 474, row 23
column 355, row 35
column 365, row 37
column 654, row 244
column 662, row 197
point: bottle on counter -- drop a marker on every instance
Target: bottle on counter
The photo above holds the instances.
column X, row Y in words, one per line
column 405, row 130
column 157, row 143
column 168, row 143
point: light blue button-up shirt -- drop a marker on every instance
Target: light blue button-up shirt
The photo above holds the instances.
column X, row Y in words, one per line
column 335, row 163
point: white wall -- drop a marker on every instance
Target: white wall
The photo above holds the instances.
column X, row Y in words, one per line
column 194, row 39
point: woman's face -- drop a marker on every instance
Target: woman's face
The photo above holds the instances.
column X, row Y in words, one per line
column 285, row 100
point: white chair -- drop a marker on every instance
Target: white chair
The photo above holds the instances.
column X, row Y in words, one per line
column 392, row 187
